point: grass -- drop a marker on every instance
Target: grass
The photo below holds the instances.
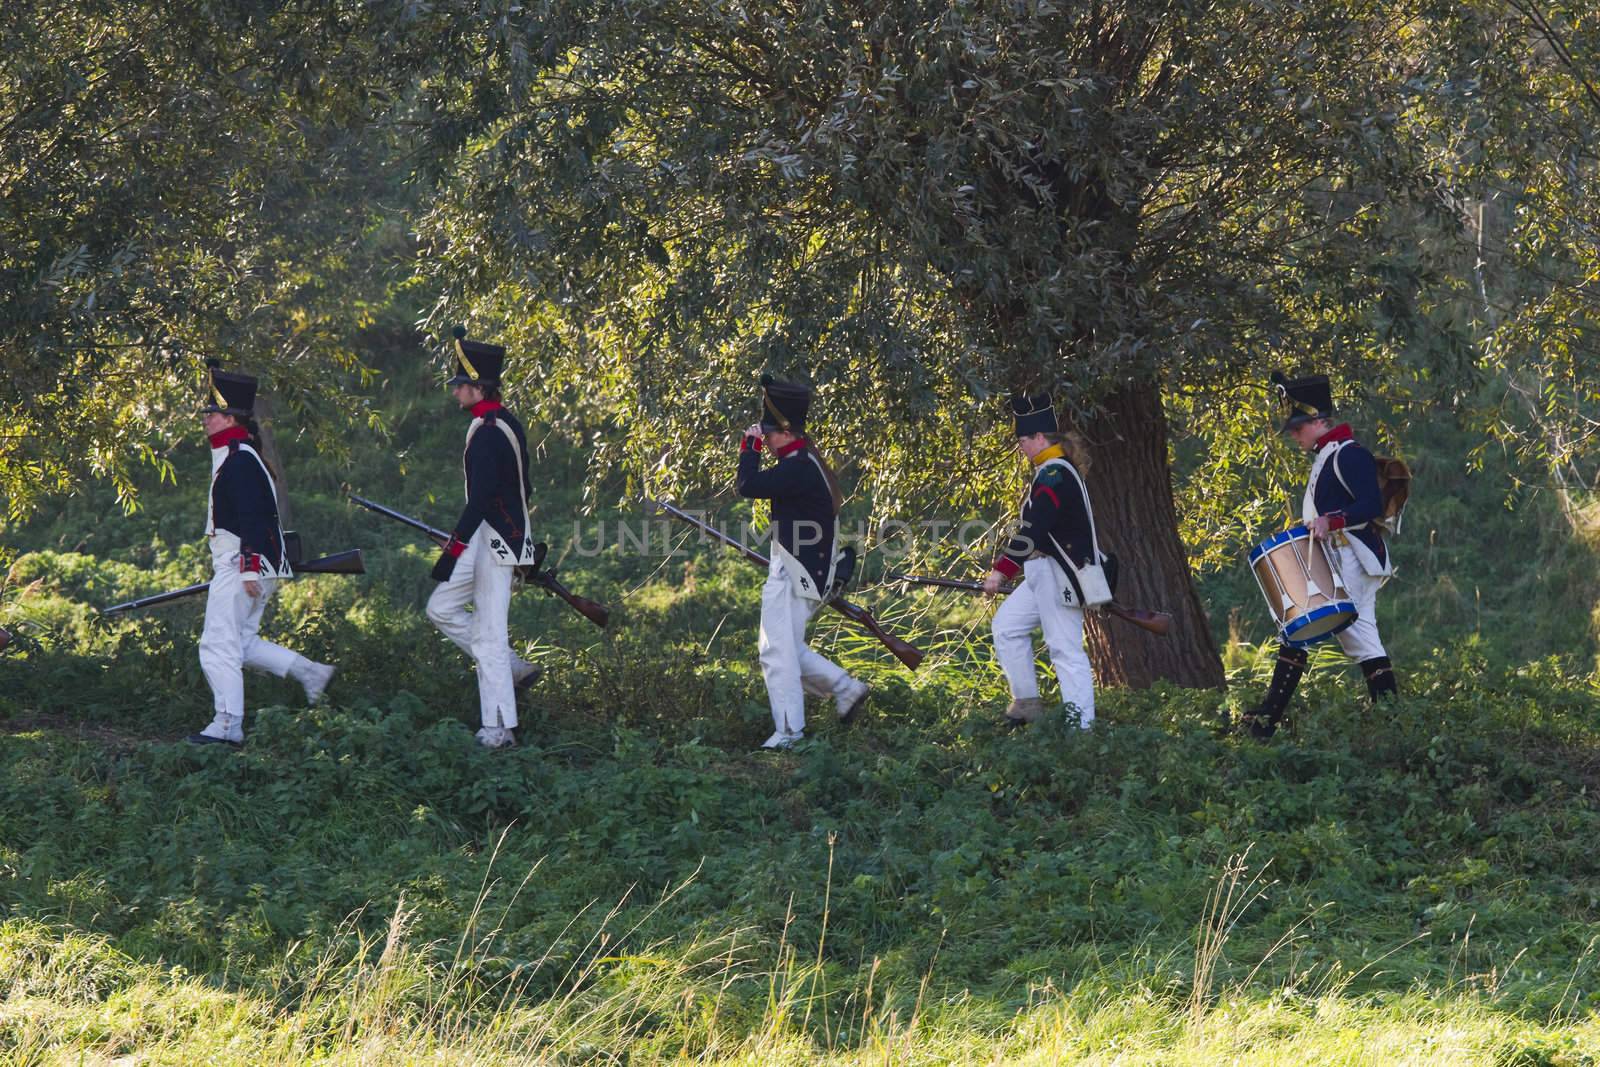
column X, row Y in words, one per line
column 69, row 998
column 364, row 884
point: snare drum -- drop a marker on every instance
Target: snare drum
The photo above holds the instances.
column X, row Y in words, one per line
column 1302, row 585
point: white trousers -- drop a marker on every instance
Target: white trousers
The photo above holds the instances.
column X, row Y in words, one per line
column 1360, row 640
column 790, row 668
column 231, row 641
column 1039, row 602
column 485, row 583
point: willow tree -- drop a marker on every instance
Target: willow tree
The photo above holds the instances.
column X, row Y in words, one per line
column 1514, row 123
column 176, row 182
column 921, row 206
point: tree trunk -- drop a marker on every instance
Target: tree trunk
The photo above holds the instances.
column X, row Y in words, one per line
column 1130, row 485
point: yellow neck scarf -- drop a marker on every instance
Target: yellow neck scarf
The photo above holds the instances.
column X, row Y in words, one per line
column 1053, row 452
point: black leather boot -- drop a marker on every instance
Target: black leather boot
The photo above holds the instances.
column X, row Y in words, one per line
column 1262, row 720
column 1380, row 678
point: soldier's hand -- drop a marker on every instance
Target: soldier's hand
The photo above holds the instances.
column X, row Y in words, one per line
column 252, row 587
column 1319, row 528
column 992, row 583
column 753, row 430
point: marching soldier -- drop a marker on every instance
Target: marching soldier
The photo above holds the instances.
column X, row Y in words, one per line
column 805, row 509
column 247, row 562
column 1054, row 540
column 1341, row 506
column 490, row 539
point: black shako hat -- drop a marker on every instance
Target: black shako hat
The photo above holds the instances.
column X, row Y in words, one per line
column 230, row 394
column 1303, row 399
column 1034, row 414
column 477, row 363
column 783, row 405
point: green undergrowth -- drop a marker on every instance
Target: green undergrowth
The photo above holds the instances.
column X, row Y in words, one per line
column 362, row 883
column 634, row 877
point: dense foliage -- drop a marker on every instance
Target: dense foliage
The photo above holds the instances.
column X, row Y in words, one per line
column 921, row 206
column 177, row 183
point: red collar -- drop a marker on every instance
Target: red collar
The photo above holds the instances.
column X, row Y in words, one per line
column 228, row 436
column 483, row 407
column 789, row 449
column 1340, row 432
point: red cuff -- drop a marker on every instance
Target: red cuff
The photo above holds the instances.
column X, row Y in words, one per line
column 455, row 546
column 1007, row 566
column 249, row 563
column 751, row 443
column 1335, row 520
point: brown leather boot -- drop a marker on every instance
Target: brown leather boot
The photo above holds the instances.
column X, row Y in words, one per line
column 1023, row 711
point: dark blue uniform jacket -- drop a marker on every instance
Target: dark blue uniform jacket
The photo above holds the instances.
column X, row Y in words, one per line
column 497, row 484
column 802, row 504
column 1347, row 492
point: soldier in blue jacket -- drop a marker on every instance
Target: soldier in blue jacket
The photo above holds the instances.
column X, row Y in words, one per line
column 1053, row 540
column 489, row 540
column 1342, row 506
column 247, row 562
column 805, row 508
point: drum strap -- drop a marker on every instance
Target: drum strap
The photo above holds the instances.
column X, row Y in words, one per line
column 1333, row 458
column 1339, row 474
column 1342, row 537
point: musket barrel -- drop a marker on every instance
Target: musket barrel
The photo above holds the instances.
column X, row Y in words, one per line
column 156, row 598
column 1156, row 622
column 347, row 562
column 400, row 517
column 705, row 527
column 598, row 614
column 904, row 651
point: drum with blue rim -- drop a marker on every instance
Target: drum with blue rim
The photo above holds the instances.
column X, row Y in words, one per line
column 1301, row 582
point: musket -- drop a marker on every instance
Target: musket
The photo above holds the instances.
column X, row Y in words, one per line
column 903, row 651
column 1157, row 622
column 347, row 562
column 532, row 573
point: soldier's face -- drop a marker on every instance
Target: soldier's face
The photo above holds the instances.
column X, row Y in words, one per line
column 1032, row 444
column 215, row 422
column 466, row 394
column 1307, row 434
